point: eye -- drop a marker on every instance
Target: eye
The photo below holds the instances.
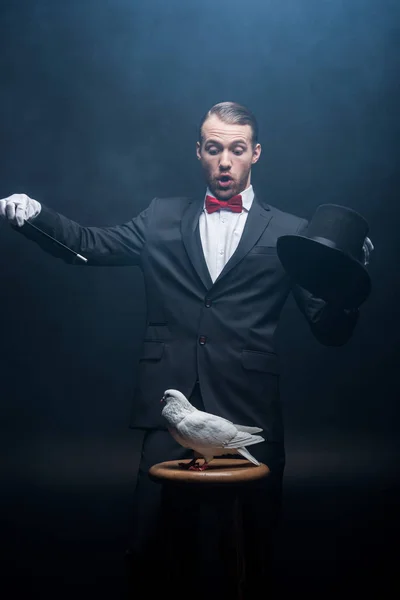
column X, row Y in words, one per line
column 238, row 151
column 212, row 150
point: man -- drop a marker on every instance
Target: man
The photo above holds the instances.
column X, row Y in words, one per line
column 215, row 290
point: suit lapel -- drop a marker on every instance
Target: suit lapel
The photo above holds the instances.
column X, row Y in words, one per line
column 191, row 239
column 257, row 220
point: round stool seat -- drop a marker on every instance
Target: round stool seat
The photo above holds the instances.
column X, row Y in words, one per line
column 219, row 471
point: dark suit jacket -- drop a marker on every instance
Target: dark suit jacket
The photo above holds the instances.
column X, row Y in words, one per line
column 220, row 334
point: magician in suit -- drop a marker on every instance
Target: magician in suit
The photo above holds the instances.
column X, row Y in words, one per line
column 215, row 288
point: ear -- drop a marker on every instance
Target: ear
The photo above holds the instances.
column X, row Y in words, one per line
column 256, row 154
column 198, row 146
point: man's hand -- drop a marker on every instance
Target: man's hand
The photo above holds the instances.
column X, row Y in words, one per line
column 19, row 208
column 368, row 248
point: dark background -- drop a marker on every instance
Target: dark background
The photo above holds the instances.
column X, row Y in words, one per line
column 99, row 104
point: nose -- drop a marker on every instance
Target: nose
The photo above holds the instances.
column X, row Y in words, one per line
column 225, row 161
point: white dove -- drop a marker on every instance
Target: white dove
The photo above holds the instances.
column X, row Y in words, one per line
column 207, row 434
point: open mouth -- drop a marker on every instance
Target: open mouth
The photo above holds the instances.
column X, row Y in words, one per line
column 224, row 180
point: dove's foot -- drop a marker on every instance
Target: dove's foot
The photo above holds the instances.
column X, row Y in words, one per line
column 193, row 465
column 189, row 465
column 197, row 467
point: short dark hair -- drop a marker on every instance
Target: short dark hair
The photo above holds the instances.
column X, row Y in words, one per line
column 232, row 112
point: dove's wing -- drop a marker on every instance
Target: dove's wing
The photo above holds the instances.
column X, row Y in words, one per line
column 243, row 438
column 206, row 430
column 245, row 428
column 248, row 429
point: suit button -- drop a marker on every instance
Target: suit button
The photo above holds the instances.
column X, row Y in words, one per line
column 202, row 340
column 207, row 302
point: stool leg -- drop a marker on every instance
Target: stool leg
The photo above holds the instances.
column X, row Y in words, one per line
column 179, row 537
column 239, row 546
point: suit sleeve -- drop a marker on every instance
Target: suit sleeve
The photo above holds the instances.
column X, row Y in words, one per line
column 330, row 325
column 102, row 246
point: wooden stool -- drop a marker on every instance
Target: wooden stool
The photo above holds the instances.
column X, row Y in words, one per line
column 220, row 485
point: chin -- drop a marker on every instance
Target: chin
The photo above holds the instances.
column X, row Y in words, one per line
column 223, row 194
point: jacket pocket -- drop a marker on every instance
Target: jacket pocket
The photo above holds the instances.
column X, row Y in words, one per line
column 152, row 350
column 265, row 362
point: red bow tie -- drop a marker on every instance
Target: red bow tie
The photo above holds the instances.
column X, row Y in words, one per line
column 234, row 204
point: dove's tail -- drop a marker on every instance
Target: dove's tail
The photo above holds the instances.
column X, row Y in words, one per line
column 248, row 429
column 253, row 439
column 247, row 455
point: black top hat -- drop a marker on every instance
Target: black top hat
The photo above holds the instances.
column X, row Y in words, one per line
column 327, row 259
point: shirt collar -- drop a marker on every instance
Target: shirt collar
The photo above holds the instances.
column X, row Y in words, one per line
column 247, row 197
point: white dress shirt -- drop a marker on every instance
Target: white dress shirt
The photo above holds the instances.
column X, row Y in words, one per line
column 220, row 232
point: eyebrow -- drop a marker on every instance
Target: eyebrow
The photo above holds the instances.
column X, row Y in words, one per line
column 233, row 143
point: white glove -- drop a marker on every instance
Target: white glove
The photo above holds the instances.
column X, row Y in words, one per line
column 19, row 208
column 368, row 248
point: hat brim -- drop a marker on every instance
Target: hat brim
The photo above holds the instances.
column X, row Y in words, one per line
column 326, row 272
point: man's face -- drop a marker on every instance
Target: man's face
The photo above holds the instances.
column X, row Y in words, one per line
column 226, row 153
